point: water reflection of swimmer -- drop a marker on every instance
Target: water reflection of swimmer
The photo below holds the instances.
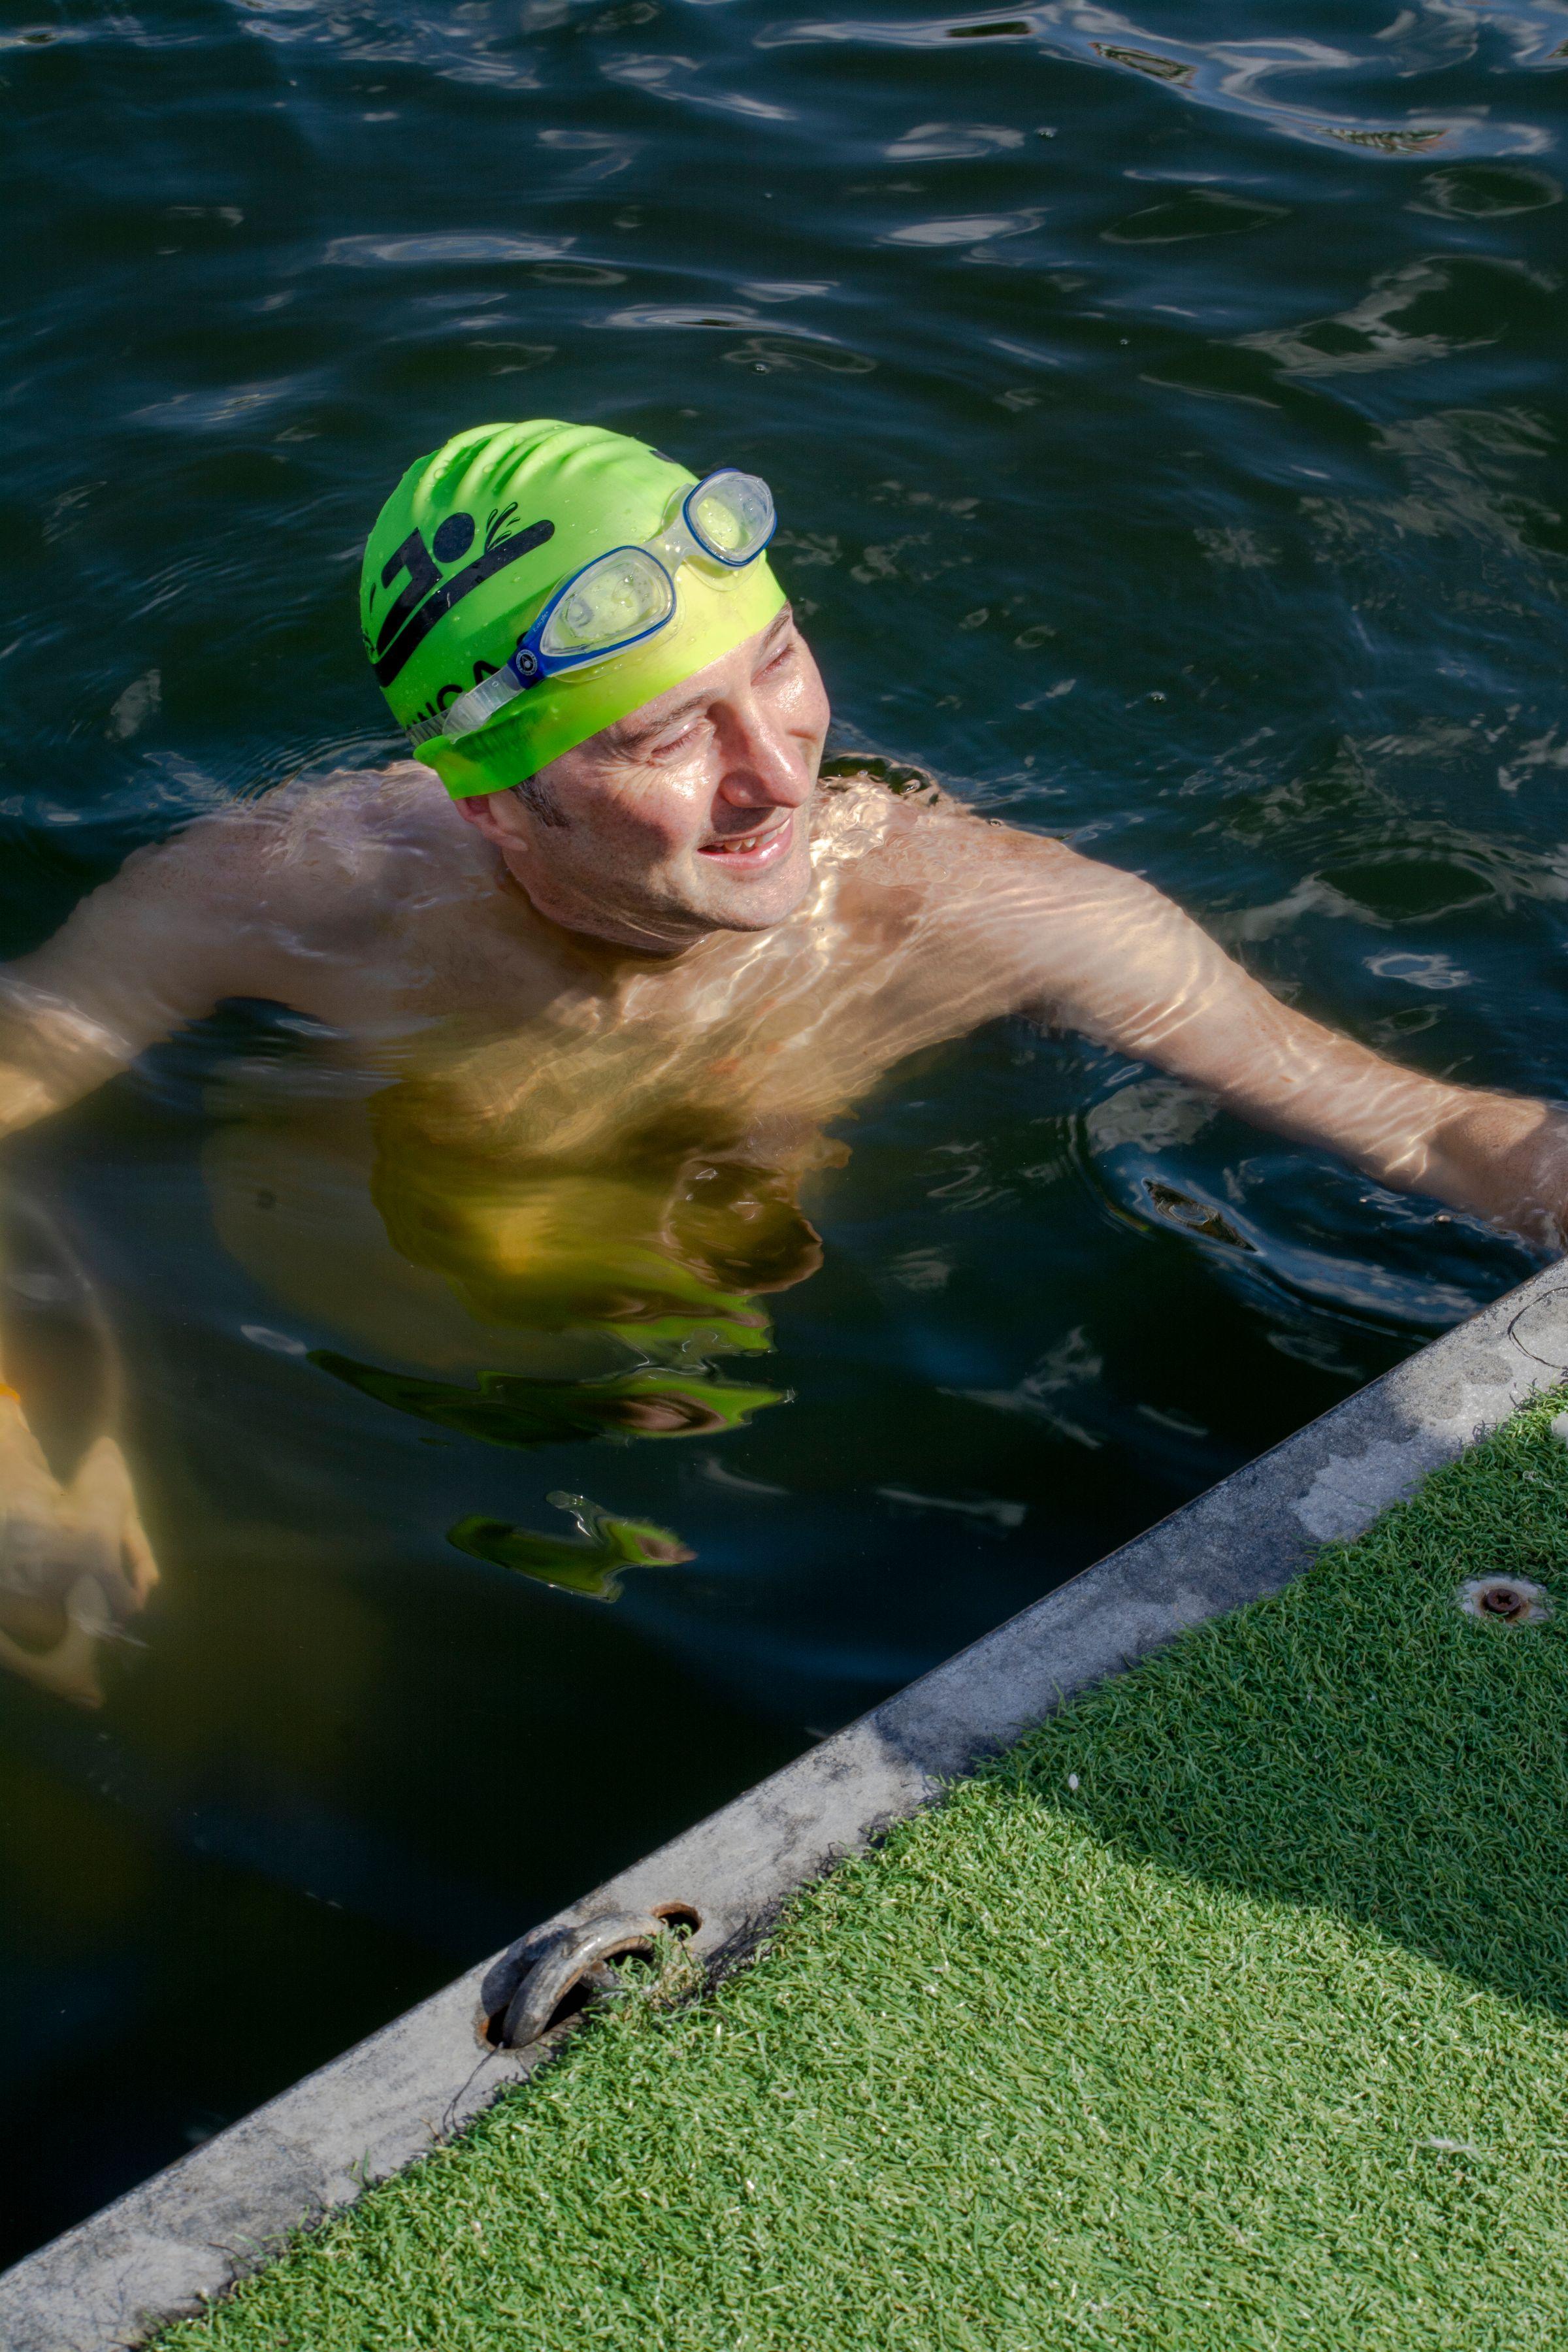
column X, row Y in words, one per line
column 605, row 975
column 548, row 1195
column 509, row 1410
column 558, row 1248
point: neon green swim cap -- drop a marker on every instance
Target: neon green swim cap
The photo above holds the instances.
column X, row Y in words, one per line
column 467, row 550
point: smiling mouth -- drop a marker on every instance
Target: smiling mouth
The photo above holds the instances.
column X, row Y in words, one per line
column 757, row 848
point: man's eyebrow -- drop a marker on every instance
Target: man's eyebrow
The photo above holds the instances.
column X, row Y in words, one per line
column 780, row 622
column 628, row 737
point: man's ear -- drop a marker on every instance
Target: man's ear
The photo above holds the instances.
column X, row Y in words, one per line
column 483, row 812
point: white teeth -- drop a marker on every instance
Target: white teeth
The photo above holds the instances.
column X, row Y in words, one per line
column 737, row 848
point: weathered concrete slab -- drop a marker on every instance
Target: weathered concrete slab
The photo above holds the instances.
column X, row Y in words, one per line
column 187, row 2233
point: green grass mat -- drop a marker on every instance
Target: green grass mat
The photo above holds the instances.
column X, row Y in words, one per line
column 1253, row 2038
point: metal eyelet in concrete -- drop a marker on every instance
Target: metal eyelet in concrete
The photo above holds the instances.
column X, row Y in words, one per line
column 578, row 1954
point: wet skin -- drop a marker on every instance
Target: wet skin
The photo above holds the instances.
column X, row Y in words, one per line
column 585, row 1037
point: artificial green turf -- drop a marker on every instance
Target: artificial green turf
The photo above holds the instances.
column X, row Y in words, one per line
column 1254, row 2039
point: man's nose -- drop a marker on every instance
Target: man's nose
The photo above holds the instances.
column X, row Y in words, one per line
column 762, row 763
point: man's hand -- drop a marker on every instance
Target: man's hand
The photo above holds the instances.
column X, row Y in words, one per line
column 1502, row 1157
column 75, row 1562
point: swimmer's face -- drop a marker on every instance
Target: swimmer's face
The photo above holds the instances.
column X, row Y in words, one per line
column 690, row 816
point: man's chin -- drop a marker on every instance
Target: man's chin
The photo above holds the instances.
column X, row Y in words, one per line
column 730, row 903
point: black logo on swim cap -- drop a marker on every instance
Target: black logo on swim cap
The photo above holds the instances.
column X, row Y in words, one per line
column 424, row 598
column 454, row 537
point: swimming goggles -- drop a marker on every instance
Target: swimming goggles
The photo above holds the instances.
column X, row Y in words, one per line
column 623, row 597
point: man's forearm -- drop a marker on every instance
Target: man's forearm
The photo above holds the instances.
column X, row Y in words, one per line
column 1502, row 1157
column 1497, row 1156
column 51, row 1053
column 22, row 1099
column 1144, row 978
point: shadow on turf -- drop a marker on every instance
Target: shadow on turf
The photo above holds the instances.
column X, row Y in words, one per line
column 1359, row 1745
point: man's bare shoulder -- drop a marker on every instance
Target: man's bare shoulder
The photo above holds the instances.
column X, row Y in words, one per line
column 916, row 833
column 989, row 915
column 348, row 826
column 341, row 850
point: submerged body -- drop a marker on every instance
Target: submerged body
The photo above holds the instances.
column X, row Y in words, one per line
column 358, row 903
column 569, row 1062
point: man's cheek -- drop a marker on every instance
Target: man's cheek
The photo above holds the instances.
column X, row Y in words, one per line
column 660, row 811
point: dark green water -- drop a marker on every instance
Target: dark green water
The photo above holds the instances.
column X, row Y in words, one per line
column 1167, row 431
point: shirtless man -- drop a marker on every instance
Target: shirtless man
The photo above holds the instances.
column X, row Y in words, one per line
column 591, row 991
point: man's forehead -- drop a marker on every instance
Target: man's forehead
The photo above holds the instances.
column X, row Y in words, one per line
column 652, row 717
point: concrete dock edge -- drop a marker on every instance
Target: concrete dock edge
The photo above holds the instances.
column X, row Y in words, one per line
column 182, row 2236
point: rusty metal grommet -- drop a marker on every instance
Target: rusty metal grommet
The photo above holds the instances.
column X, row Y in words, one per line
column 580, row 1953
column 1506, row 1599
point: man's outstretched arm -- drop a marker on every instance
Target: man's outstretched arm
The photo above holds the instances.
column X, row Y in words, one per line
column 156, row 947
column 1113, row 956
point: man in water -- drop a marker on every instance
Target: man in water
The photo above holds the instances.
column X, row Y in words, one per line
column 600, row 963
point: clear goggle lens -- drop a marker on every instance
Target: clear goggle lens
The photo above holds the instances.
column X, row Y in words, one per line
column 731, row 516
column 614, row 602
